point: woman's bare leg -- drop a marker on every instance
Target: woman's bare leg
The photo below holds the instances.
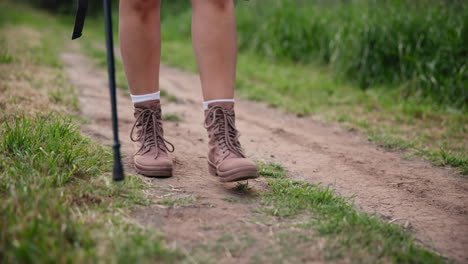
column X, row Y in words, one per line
column 140, row 44
column 215, row 44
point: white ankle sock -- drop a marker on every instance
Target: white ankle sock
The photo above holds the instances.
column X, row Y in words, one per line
column 145, row 97
column 205, row 104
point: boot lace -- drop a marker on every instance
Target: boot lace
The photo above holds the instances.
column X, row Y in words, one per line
column 225, row 132
column 150, row 133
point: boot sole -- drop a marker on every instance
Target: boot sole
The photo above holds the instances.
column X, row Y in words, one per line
column 155, row 173
column 233, row 175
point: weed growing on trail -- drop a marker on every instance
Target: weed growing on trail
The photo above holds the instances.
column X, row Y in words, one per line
column 169, row 97
column 389, row 142
column 231, row 199
column 271, row 169
column 446, row 157
column 177, row 202
column 243, row 187
column 171, row 117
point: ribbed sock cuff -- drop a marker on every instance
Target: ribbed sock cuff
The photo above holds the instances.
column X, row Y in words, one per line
column 145, row 97
column 205, row 104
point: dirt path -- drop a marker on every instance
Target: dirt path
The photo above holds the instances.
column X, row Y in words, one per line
column 410, row 192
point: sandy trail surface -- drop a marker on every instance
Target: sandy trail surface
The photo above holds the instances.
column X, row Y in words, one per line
column 421, row 197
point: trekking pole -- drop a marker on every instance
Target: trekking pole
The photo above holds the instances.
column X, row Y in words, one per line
column 117, row 172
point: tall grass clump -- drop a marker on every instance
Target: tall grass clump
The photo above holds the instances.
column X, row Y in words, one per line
column 38, row 156
column 417, row 46
column 52, row 147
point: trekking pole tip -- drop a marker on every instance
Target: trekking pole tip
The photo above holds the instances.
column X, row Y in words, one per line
column 117, row 172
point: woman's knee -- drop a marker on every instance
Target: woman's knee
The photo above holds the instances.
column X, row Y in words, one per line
column 217, row 4
column 145, row 10
column 142, row 6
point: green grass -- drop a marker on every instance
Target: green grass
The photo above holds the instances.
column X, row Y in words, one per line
column 350, row 233
column 49, row 146
column 53, row 182
column 418, row 44
column 389, row 142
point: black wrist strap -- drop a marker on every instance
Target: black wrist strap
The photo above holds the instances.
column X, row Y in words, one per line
column 80, row 18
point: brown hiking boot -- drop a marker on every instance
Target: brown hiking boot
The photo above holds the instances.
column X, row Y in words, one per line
column 225, row 156
column 152, row 158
